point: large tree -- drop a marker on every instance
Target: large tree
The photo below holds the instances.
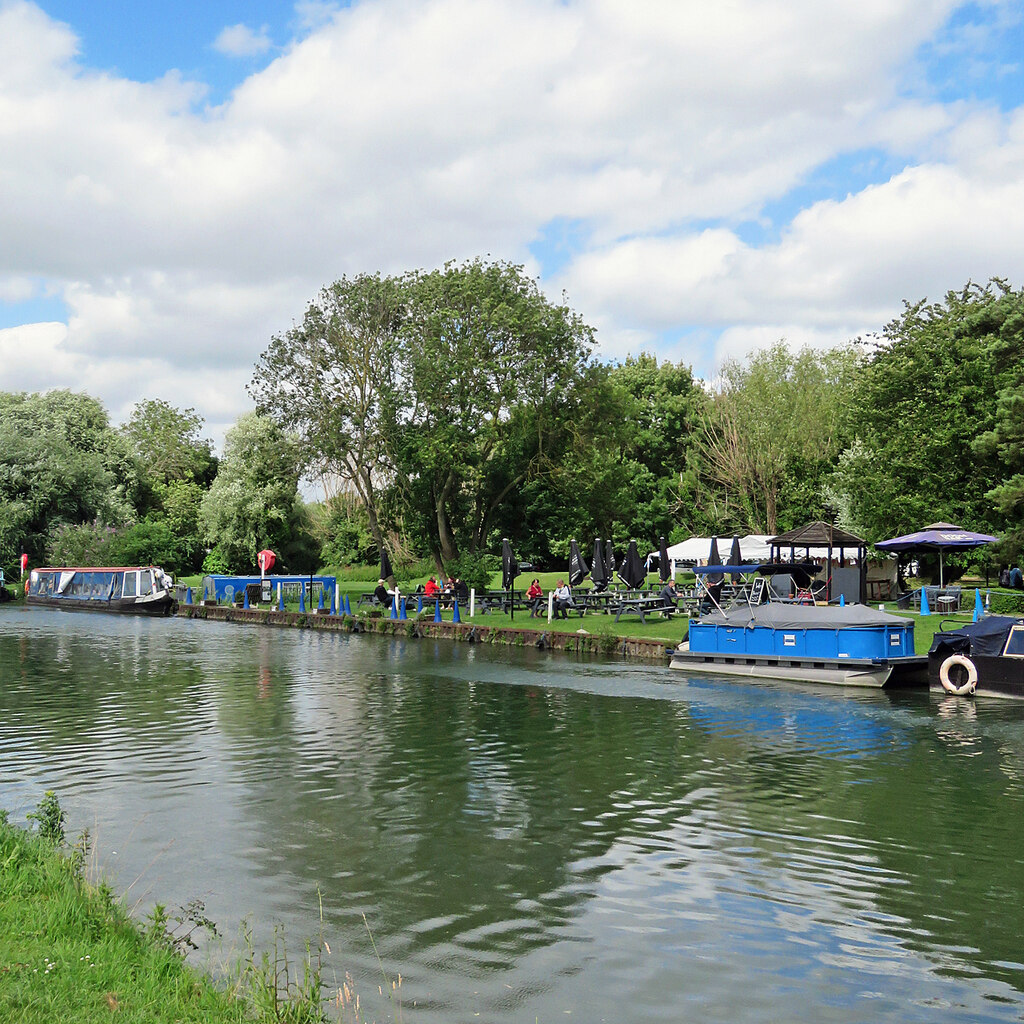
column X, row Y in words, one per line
column 60, row 464
column 331, row 381
column 491, row 371
column 774, row 429
column 254, row 502
column 168, row 443
column 928, row 393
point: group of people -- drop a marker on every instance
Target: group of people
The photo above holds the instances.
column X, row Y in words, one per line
column 445, row 591
column 563, row 599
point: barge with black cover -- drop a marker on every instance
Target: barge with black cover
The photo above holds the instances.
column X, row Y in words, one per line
column 985, row 657
column 136, row 590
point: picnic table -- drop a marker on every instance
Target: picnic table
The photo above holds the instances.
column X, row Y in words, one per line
column 644, row 605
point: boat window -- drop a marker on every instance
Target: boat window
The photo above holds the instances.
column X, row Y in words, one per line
column 145, row 582
column 1015, row 642
column 128, row 590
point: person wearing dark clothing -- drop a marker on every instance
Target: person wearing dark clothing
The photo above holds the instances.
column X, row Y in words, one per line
column 382, row 594
column 669, row 596
column 461, row 591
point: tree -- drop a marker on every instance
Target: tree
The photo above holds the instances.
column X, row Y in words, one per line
column 774, row 429
column 254, row 501
column 331, row 380
column 167, row 443
column 927, row 393
column 490, row 375
column 60, row 464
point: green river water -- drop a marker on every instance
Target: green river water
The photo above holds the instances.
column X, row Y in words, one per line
column 530, row 836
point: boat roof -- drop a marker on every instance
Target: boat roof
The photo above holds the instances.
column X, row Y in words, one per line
column 777, row 615
column 93, row 568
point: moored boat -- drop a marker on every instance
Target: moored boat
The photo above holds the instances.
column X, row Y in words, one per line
column 138, row 590
column 985, row 657
column 851, row 645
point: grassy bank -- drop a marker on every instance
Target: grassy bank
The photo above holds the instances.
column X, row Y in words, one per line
column 70, row 952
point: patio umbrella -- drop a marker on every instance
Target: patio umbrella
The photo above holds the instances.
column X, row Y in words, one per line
column 385, row 565
column 598, row 573
column 939, row 537
column 714, row 558
column 577, row 567
column 735, row 557
column 632, row 571
column 609, row 560
column 509, row 572
column 664, row 562
column 509, row 565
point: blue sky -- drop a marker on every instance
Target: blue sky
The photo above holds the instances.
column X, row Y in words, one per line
column 698, row 180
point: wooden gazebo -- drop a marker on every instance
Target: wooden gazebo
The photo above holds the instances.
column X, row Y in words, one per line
column 823, row 535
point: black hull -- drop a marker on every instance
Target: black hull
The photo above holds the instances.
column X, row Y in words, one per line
column 997, row 676
column 160, row 607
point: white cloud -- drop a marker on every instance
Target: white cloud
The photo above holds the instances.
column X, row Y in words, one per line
column 242, row 41
column 396, row 134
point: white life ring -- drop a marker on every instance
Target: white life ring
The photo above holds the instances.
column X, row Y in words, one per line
column 972, row 675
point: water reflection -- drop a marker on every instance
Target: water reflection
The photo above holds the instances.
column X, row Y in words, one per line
column 529, row 835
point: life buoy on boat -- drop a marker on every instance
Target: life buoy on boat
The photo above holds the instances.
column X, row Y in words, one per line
column 969, row 667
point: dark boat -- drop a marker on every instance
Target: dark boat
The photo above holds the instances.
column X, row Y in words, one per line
column 985, row 657
column 137, row 590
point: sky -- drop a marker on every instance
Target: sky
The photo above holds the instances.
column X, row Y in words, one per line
column 697, row 180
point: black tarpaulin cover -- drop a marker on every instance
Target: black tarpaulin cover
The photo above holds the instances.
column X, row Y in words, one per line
column 986, row 637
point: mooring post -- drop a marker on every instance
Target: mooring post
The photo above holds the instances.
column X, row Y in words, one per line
column 280, row 598
column 551, row 605
column 472, row 602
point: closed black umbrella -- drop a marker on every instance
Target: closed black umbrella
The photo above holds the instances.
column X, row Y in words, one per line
column 609, row 560
column 598, row 573
column 577, row 567
column 665, row 568
column 509, row 566
column 735, row 557
column 509, row 572
column 385, row 565
column 632, row 571
column 714, row 558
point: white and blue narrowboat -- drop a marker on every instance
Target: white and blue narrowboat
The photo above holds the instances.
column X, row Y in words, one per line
column 138, row 590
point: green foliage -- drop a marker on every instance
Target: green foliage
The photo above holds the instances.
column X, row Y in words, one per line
column 928, row 392
column 254, row 501
column 49, row 818
column 774, row 431
column 60, row 464
column 167, row 444
column 477, row 571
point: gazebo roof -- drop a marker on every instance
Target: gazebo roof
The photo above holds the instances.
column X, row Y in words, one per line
column 817, row 535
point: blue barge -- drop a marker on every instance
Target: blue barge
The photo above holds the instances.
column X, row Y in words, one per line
column 852, row 645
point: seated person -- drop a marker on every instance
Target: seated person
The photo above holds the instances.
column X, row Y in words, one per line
column 461, row 590
column 669, row 595
column 534, row 596
column 563, row 600
column 430, row 588
column 383, row 595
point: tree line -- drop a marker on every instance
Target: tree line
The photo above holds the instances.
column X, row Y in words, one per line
column 441, row 411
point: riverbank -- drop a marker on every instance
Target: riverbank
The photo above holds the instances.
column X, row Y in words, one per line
column 576, row 640
column 70, row 952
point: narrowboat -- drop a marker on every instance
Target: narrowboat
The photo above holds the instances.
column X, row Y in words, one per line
column 138, row 590
column 985, row 657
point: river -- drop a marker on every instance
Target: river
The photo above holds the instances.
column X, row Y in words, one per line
column 527, row 836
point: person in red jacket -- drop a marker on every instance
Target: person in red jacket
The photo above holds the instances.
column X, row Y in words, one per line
column 430, row 588
column 534, row 596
